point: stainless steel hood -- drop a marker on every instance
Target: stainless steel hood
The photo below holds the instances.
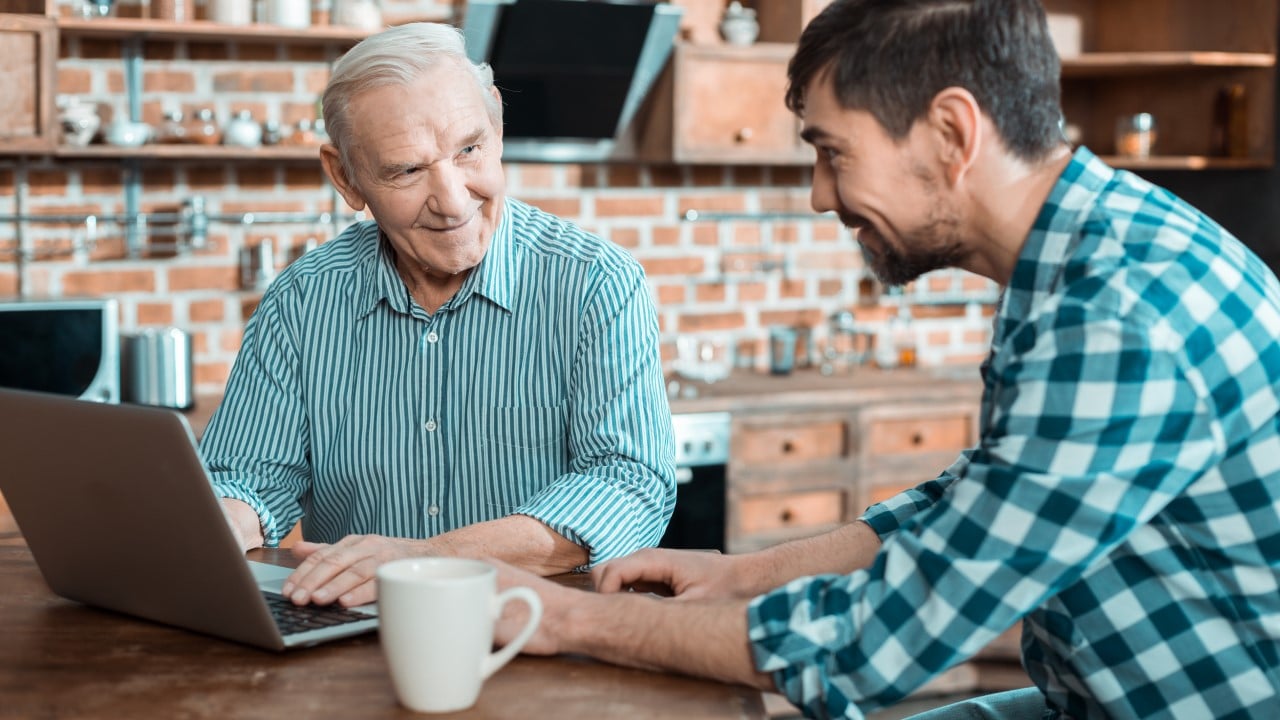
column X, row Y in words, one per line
column 573, row 73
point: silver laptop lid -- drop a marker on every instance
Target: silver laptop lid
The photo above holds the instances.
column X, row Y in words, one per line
column 117, row 509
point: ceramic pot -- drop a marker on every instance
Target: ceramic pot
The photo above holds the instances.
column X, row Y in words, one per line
column 242, row 131
column 79, row 124
column 739, row 26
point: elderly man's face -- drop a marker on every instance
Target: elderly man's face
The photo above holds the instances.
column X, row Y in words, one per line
column 888, row 192
column 427, row 161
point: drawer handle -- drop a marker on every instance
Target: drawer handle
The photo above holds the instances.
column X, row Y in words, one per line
column 787, row 516
column 917, row 439
column 788, row 447
column 743, row 135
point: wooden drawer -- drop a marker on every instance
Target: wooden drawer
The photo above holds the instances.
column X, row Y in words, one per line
column 789, row 444
column 724, row 104
column 787, row 511
column 943, row 433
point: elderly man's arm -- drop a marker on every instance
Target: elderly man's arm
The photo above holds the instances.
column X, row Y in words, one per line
column 620, row 489
column 256, row 444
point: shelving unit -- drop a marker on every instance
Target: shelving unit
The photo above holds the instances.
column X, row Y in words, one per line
column 1172, row 58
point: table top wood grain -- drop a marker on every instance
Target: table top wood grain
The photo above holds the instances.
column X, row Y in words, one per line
column 61, row 659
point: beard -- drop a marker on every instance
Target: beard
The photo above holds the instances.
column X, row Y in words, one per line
column 934, row 246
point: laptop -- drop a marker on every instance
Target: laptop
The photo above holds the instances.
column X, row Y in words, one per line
column 118, row 511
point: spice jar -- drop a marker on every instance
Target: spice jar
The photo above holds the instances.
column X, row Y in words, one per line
column 202, row 129
column 1136, row 135
column 172, row 130
column 173, row 10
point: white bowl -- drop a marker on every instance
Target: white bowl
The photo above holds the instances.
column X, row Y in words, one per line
column 125, row 133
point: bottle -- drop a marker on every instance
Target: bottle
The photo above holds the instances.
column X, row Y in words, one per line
column 904, row 336
column 1231, row 122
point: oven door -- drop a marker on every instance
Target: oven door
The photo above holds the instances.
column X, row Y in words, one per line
column 702, row 454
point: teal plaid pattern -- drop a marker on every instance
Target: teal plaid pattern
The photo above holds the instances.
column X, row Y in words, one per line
column 536, row 390
column 1123, row 500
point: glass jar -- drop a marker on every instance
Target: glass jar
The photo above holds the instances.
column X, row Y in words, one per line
column 173, row 130
column 1136, row 135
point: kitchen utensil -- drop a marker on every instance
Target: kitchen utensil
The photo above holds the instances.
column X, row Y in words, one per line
column 157, row 368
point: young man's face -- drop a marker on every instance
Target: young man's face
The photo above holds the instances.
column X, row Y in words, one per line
column 890, row 193
column 427, row 160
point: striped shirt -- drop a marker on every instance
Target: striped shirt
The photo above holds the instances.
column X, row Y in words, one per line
column 537, row 389
column 1123, row 500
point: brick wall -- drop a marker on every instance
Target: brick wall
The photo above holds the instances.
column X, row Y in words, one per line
column 725, row 280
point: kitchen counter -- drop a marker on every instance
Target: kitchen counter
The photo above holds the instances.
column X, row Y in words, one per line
column 744, row 390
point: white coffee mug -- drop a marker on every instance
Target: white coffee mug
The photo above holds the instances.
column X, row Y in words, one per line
column 436, row 618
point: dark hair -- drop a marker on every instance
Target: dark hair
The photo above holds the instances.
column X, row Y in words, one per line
column 892, row 57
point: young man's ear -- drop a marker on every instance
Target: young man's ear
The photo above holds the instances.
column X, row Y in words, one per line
column 956, row 121
column 331, row 161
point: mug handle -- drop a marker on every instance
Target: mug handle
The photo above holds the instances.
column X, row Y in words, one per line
column 494, row 661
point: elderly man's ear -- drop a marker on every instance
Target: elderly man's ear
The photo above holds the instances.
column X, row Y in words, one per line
column 331, row 160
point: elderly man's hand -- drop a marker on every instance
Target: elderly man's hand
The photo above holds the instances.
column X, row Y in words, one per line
column 345, row 571
column 689, row 574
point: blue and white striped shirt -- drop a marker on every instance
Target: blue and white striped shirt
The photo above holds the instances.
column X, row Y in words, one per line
column 537, row 389
column 1123, row 501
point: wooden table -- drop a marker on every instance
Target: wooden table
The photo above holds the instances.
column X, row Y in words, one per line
column 60, row 659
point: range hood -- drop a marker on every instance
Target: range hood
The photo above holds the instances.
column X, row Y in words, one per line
column 573, row 73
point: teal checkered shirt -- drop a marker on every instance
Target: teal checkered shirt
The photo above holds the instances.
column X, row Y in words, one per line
column 1123, row 500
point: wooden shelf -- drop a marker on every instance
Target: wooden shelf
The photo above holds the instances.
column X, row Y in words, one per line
column 308, row 153
column 1125, row 63
column 210, row 31
column 1186, row 162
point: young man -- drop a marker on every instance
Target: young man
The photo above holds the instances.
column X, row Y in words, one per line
column 463, row 374
column 1122, row 499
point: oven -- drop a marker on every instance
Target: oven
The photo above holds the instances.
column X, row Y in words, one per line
column 702, row 454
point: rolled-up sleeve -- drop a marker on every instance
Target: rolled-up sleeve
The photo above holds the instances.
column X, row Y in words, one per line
column 1097, row 428
column 620, row 491
column 255, row 445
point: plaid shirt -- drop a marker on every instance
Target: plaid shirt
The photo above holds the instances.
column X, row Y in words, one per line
column 1122, row 501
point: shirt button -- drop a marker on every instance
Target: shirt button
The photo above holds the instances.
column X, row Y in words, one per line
column 433, row 511
column 432, row 337
column 430, row 426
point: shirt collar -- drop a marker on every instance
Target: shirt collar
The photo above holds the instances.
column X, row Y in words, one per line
column 1055, row 233
column 491, row 279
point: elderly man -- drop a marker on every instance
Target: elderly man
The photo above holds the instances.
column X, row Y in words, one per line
column 463, row 374
column 1122, row 499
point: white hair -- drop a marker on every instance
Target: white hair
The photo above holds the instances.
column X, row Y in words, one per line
column 397, row 56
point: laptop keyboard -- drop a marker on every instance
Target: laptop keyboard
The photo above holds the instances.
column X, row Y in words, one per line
column 292, row 618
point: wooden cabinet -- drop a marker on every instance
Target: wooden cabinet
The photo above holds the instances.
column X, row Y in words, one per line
column 722, row 104
column 790, row 475
column 1176, row 60
column 29, row 46
column 801, row 470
